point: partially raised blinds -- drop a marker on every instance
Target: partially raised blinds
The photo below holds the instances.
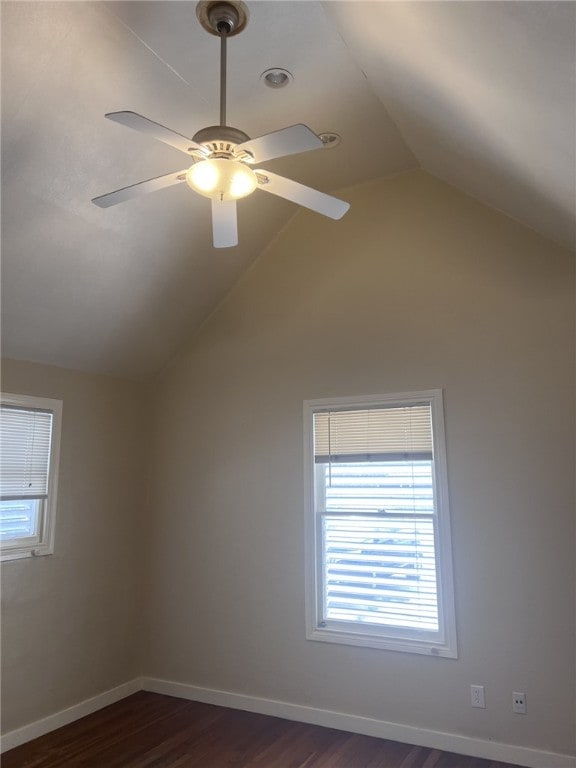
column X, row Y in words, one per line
column 25, row 439
column 373, row 434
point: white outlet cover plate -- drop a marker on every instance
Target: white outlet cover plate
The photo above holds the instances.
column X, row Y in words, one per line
column 477, row 698
column 519, row 703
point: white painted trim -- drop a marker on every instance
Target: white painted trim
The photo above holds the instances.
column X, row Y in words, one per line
column 45, row 543
column 450, row 742
column 318, row 627
column 408, row 734
column 40, row 727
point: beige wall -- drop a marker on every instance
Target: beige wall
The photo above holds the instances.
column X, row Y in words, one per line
column 417, row 287
column 71, row 622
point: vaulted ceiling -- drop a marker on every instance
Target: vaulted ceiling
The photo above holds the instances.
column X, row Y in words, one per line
column 481, row 94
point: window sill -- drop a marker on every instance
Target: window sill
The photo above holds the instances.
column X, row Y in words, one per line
column 383, row 642
column 21, row 553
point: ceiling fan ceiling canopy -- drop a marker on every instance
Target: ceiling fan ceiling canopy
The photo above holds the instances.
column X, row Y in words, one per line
column 217, row 16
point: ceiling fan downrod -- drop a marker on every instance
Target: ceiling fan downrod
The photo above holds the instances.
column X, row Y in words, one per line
column 223, row 18
column 224, row 31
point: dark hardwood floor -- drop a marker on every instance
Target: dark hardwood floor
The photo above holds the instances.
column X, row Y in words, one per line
column 147, row 730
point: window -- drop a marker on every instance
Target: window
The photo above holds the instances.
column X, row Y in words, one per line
column 29, row 451
column 378, row 536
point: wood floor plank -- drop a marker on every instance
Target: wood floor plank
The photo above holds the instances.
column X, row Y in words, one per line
column 148, row 730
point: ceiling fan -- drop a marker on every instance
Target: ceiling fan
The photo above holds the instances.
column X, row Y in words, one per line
column 221, row 155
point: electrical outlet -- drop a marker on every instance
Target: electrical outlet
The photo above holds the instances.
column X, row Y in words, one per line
column 477, row 696
column 519, row 703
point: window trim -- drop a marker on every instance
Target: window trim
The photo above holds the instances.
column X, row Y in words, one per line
column 388, row 638
column 43, row 543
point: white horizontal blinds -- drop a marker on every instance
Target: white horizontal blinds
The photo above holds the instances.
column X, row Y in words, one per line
column 25, row 439
column 380, row 572
column 391, row 487
column 374, row 469
column 373, row 434
column 378, row 543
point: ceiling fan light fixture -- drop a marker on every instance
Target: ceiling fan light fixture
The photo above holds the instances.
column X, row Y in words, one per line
column 221, row 179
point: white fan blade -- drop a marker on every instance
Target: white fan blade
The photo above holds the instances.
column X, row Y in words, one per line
column 157, row 131
column 224, row 223
column 287, row 141
column 302, row 195
column 142, row 188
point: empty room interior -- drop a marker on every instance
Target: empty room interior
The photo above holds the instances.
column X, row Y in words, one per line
column 288, row 423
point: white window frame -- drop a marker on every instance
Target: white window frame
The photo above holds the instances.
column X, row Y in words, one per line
column 444, row 642
column 43, row 542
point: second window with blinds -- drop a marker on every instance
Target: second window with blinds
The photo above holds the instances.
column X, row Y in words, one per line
column 378, row 527
column 29, row 451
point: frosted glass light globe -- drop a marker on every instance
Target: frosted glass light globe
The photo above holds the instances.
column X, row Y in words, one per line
column 221, row 179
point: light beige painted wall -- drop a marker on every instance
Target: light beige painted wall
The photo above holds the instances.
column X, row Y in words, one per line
column 71, row 622
column 417, row 287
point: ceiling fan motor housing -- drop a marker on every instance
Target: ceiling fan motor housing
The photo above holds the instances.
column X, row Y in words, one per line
column 221, row 140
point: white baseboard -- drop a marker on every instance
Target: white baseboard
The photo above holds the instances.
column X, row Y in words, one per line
column 450, row 742
column 40, row 727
